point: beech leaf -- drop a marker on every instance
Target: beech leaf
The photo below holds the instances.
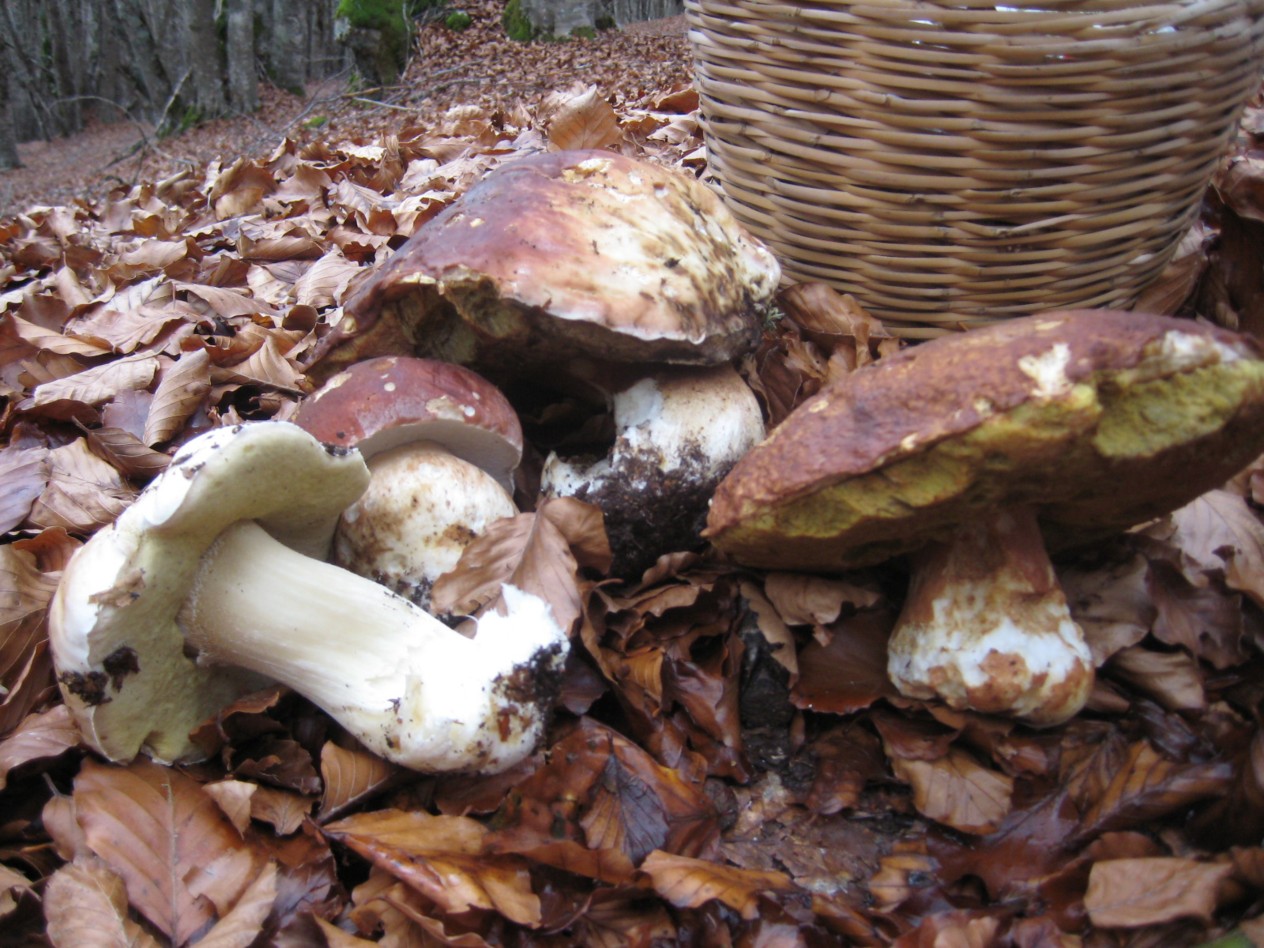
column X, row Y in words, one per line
column 24, row 473
column 538, row 552
column 84, row 492
column 40, row 736
column 85, row 903
column 1131, row 893
column 957, row 790
column 1218, row 531
column 99, row 384
column 181, row 390
column 584, row 120
column 442, row 857
column 691, row 883
column 154, row 827
column 240, row 926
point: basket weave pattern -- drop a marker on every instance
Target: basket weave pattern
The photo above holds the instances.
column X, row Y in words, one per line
column 952, row 163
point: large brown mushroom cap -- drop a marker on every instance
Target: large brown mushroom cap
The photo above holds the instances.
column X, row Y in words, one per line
column 1098, row 420
column 566, row 253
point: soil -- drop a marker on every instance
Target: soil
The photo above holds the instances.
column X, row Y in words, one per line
column 477, row 66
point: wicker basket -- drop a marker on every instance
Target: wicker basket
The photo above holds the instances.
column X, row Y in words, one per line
column 953, row 163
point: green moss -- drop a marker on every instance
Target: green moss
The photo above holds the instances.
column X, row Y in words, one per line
column 516, row 24
column 584, row 32
column 605, row 23
column 457, row 20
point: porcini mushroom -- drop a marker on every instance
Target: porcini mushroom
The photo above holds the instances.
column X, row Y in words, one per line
column 678, row 431
column 441, row 443
column 564, row 254
column 582, row 270
column 211, row 584
column 972, row 452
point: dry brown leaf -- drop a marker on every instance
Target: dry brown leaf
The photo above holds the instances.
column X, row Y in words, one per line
column 538, row 552
column 1173, row 679
column 240, row 926
column 802, row 599
column 25, row 668
column 691, row 883
column 1143, row 787
column 1217, row 531
column 1111, row 604
column 849, row 671
column 583, row 120
column 182, row 388
column 126, row 453
column 772, row 627
column 266, row 366
column 958, row 791
column 41, row 735
column 38, row 337
column 349, row 776
column 1204, row 620
column 1131, row 893
column 154, row 827
column 325, row 282
column 84, row 493
column 233, row 798
column 442, row 857
column 99, row 384
column 85, row 903
column 24, row 473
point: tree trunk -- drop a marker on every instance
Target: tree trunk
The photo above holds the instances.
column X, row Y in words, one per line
column 8, row 141
column 243, row 87
column 204, row 91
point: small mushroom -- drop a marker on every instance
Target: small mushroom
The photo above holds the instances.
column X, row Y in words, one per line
column 213, row 583
column 441, row 443
column 565, row 254
column 972, row 452
column 678, row 431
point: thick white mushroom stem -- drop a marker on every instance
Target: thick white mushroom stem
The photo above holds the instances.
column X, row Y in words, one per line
column 408, row 687
column 986, row 626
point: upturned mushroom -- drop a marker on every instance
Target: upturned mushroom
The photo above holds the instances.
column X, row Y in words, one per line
column 441, row 443
column 973, row 452
column 213, row 584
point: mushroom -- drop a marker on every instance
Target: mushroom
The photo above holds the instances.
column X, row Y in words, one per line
column 579, row 271
column 978, row 452
column 564, row 254
column 678, row 431
column 212, row 584
column 441, row 443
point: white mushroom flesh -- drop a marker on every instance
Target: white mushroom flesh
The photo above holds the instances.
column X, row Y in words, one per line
column 986, row 626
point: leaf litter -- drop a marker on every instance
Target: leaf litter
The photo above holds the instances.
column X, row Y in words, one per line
column 728, row 763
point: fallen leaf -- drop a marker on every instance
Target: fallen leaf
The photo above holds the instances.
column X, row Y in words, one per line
column 154, row 826
column 182, row 387
column 443, row 858
column 85, row 903
column 691, row 883
column 1132, row 893
column 958, row 791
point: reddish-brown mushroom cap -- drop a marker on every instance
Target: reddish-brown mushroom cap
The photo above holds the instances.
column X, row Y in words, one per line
column 560, row 254
column 389, row 401
column 1097, row 419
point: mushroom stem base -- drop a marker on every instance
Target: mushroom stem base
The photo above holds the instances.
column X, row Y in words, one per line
column 986, row 627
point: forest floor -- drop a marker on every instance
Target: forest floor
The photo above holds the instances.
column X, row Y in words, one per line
column 478, row 66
